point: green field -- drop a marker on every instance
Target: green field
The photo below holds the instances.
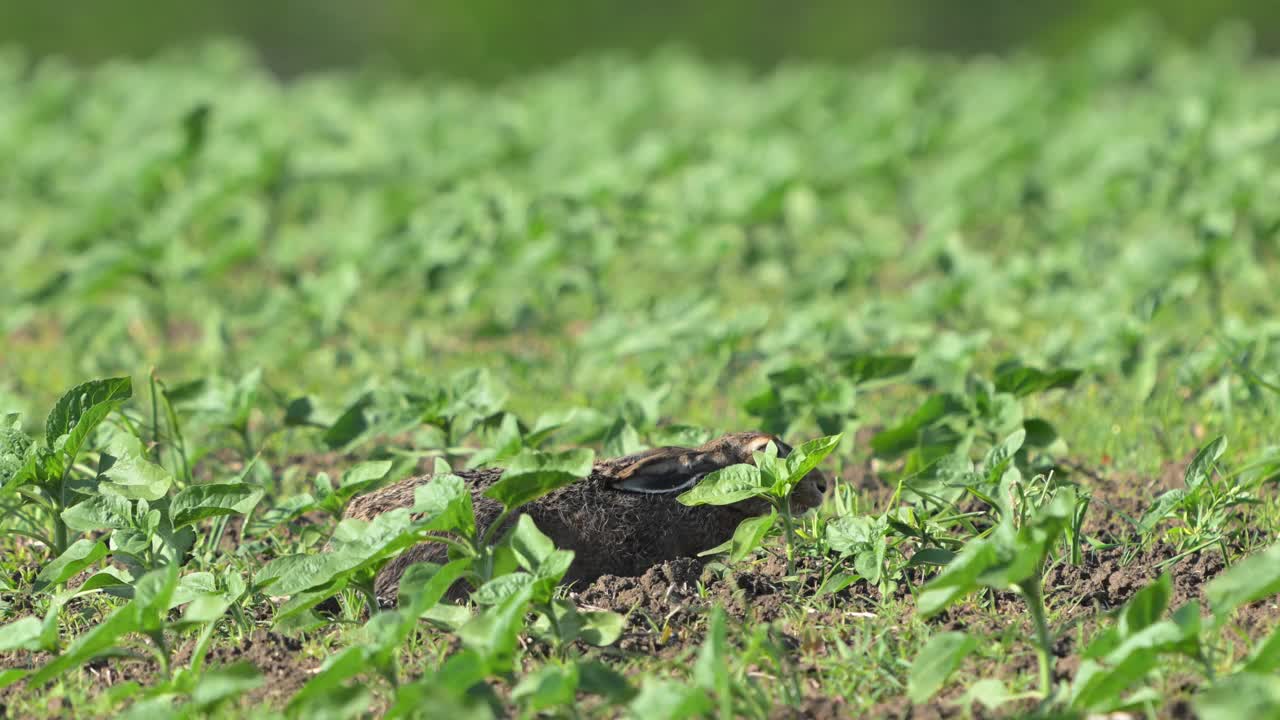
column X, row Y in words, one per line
column 1033, row 303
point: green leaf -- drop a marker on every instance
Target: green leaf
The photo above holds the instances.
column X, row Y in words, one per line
column 940, row 657
column 1025, row 380
column 514, row 490
column 205, row 603
column 9, row 677
column 324, row 692
column 1040, row 433
column 622, row 439
column 446, row 691
column 577, row 462
column 895, row 441
column 931, row 556
column 198, row 502
column 1265, row 658
column 1021, row 557
column 445, row 502
column 847, row 534
column 154, row 591
column 360, row 477
column 959, row 578
column 726, row 486
column 26, row 472
column 749, row 534
column 668, row 699
column 999, row 456
column 501, row 588
column 297, row 609
column 288, row 509
column 1200, row 467
column 356, row 545
column 493, row 633
column 376, row 413
column 600, row 679
column 1146, row 606
column 1254, row 578
column 867, row 368
column 550, row 686
column 22, row 634
column 990, row 692
column 98, row 638
column 16, row 452
column 220, row 684
column 809, row 455
column 870, row 563
column 1243, row 695
column 78, row 556
column 601, row 627
column 107, row 577
column 72, row 411
column 1099, row 683
column 134, row 477
column 423, row 584
column 530, row 545
column 193, row 585
column 503, row 445
column 837, row 582
column 711, row 670
column 1161, row 509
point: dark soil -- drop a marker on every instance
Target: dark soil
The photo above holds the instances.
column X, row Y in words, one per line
column 280, row 659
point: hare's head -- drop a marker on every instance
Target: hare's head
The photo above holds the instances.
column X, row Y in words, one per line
column 741, row 448
column 672, row 470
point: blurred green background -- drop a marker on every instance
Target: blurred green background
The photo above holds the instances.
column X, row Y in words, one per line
column 492, row 39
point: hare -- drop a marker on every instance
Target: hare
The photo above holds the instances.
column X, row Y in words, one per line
column 621, row 519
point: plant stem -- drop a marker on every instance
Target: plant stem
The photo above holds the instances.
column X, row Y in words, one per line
column 155, row 417
column 789, row 527
column 202, row 646
column 370, row 597
column 59, row 534
column 555, row 628
column 247, row 440
column 162, row 653
column 489, row 532
column 214, row 539
column 1034, row 597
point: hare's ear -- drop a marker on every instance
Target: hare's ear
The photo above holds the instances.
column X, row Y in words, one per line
column 656, row 483
column 656, row 472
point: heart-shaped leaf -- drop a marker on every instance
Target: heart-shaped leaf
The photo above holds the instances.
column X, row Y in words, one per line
column 198, row 502
column 726, row 486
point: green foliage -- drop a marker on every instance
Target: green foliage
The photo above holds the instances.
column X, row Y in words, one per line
column 770, row 479
column 940, row 657
column 1001, row 293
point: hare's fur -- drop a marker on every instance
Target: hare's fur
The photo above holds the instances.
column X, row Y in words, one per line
column 610, row 530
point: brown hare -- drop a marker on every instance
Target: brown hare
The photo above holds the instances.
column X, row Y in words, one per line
column 621, row 519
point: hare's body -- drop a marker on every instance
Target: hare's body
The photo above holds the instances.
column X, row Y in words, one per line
column 621, row 519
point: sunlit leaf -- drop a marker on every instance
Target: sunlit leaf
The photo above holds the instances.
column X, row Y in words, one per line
column 78, row 556
column 726, row 486
column 1254, row 578
column 198, row 502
